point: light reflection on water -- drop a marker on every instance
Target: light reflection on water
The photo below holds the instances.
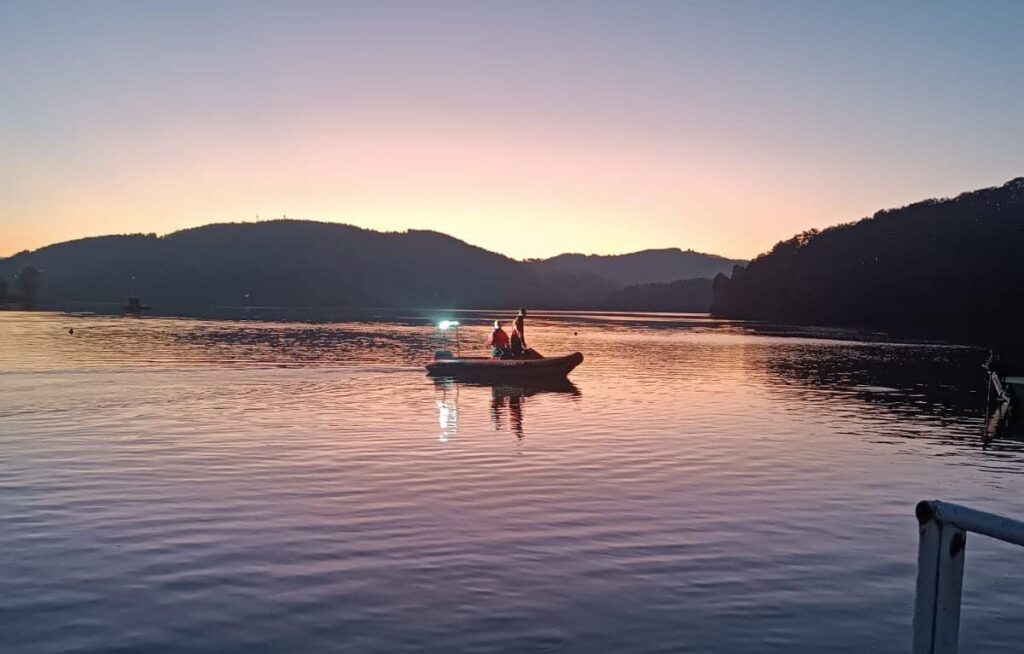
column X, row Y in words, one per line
column 176, row 485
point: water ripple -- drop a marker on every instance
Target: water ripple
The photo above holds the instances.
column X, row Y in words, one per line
column 175, row 485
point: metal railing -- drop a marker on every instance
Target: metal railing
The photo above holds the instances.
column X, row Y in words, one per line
column 940, row 568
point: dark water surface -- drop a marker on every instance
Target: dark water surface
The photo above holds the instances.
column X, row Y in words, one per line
column 200, row 486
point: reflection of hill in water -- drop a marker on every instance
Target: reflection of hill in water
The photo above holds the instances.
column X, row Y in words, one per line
column 299, row 343
column 932, row 380
column 898, row 381
column 908, row 391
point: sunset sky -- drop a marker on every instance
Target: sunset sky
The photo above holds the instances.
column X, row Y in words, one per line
column 528, row 128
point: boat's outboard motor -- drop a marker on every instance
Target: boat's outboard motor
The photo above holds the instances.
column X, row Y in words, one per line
column 443, row 354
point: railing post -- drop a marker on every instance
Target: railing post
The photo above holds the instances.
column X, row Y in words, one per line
column 940, row 574
column 952, row 551
column 927, row 578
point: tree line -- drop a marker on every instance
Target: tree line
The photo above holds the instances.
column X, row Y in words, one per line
column 300, row 264
column 945, row 268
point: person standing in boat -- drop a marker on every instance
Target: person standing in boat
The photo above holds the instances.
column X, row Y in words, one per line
column 516, row 349
column 519, row 328
column 518, row 341
column 499, row 342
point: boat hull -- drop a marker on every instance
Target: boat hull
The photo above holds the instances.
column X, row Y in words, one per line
column 491, row 369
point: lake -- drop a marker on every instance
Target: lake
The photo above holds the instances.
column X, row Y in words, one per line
column 700, row 486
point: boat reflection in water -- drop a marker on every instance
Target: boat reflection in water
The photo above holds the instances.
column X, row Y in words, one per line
column 507, row 401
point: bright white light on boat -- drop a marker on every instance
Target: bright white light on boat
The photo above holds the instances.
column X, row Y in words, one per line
column 445, row 324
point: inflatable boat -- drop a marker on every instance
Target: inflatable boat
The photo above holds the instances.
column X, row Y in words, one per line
column 489, row 368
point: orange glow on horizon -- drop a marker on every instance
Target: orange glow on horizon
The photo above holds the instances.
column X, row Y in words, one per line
column 709, row 126
column 521, row 194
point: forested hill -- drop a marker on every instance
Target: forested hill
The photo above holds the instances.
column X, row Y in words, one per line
column 645, row 267
column 292, row 263
column 947, row 268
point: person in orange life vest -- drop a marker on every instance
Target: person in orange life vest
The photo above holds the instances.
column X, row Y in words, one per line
column 499, row 341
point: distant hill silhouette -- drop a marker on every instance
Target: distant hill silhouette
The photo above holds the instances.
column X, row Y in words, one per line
column 947, row 268
column 645, row 267
column 291, row 263
column 683, row 296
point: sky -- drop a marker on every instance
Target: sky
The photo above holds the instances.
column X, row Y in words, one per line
column 527, row 128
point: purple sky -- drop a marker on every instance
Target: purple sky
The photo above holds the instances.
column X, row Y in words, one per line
column 526, row 128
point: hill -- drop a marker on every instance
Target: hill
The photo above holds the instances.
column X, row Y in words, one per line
column 292, row 263
column 644, row 267
column 680, row 296
column 942, row 267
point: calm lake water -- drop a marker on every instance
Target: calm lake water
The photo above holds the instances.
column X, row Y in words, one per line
column 199, row 486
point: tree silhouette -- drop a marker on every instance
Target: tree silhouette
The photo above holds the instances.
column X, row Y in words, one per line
column 29, row 282
column 943, row 268
column 290, row 263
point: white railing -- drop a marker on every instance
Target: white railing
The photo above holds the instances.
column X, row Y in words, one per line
column 940, row 568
